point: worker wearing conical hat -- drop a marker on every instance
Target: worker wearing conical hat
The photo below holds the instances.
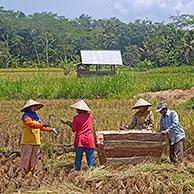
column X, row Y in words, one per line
column 82, row 127
column 143, row 118
column 30, row 141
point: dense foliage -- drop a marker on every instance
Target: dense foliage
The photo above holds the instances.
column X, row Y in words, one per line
column 46, row 39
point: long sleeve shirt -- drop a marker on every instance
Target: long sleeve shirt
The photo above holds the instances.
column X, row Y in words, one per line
column 142, row 122
column 31, row 127
column 82, row 125
column 170, row 122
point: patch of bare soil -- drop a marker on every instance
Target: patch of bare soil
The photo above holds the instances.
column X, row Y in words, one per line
column 177, row 96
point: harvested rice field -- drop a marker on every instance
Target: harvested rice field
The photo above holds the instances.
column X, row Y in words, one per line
column 55, row 173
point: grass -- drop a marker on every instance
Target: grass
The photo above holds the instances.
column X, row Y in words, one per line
column 189, row 104
column 49, row 84
column 108, row 98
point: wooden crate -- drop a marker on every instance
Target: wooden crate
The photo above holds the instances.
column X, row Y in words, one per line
column 130, row 146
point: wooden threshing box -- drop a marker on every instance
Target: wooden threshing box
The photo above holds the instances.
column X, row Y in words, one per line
column 131, row 146
column 98, row 63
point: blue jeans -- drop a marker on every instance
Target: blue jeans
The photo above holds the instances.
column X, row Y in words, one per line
column 78, row 157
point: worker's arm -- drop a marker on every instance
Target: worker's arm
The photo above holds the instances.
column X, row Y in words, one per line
column 45, row 129
column 67, row 122
column 133, row 123
column 32, row 124
column 35, row 124
column 74, row 125
column 150, row 123
column 174, row 121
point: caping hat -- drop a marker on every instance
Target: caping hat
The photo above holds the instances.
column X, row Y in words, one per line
column 81, row 105
column 30, row 103
column 141, row 102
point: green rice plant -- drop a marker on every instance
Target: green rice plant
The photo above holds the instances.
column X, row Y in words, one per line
column 189, row 104
column 124, row 85
column 170, row 81
column 171, row 70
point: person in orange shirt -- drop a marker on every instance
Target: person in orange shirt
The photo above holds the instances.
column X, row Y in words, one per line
column 30, row 141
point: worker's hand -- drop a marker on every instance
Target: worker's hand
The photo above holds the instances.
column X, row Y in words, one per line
column 63, row 120
column 122, row 128
column 165, row 132
column 67, row 122
column 55, row 131
column 65, row 137
column 45, row 124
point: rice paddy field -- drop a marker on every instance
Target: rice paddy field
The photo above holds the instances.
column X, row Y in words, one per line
column 110, row 99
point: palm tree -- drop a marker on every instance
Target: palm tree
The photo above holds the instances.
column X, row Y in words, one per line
column 188, row 47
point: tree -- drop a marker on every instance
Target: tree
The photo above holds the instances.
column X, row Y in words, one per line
column 4, row 55
column 131, row 55
column 183, row 21
column 48, row 39
column 187, row 50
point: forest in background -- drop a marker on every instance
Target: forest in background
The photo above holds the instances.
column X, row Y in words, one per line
column 48, row 40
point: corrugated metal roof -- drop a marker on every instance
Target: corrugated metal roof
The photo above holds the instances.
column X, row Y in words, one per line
column 101, row 57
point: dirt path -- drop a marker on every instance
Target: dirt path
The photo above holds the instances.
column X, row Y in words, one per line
column 177, row 96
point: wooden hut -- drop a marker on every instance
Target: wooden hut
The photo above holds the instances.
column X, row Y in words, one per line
column 98, row 62
column 130, row 146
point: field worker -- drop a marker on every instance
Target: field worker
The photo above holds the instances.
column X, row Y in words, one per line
column 30, row 141
column 169, row 125
column 82, row 127
column 143, row 118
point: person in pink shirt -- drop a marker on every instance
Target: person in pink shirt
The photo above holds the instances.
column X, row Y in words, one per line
column 84, row 140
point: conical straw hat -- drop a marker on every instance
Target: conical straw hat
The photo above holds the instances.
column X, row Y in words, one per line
column 81, row 105
column 31, row 102
column 141, row 102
